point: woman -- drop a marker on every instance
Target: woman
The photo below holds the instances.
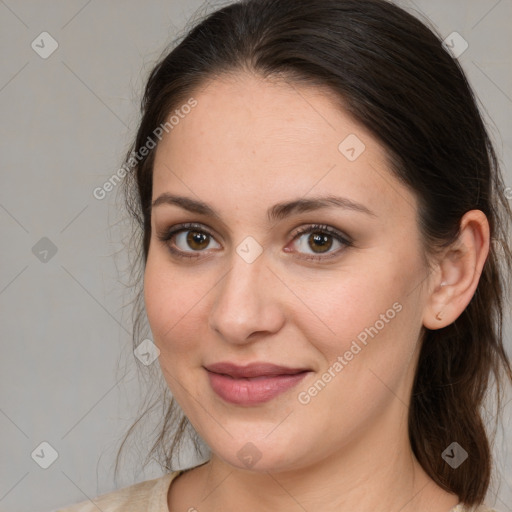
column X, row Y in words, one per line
column 324, row 237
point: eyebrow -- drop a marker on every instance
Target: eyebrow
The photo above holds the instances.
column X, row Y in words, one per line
column 275, row 213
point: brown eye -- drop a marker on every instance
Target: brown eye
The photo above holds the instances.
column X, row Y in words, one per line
column 319, row 242
column 188, row 240
column 315, row 241
column 193, row 240
column 197, row 240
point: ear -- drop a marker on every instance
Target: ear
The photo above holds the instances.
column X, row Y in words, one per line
column 458, row 271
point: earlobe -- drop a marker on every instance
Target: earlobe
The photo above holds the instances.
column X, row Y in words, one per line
column 459, row 269
column 439, row 314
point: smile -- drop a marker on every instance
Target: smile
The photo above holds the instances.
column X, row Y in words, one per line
column 253, row 390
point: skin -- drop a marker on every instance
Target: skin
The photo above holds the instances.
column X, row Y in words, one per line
column 248, row 144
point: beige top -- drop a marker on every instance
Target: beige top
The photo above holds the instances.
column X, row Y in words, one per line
column 151, row 496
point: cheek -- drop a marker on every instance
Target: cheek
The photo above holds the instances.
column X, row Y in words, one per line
column 367, row 362
column 174, row 301
column 172, row 306
column 348, row 303
column 371, row 318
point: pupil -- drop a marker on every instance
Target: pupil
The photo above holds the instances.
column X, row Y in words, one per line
column 319, row 240
column 197, row 240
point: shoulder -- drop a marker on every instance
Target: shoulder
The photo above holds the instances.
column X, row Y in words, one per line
column 150, row 495
column 480, row 508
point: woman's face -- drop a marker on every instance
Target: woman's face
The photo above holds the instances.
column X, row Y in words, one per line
column 344, row 301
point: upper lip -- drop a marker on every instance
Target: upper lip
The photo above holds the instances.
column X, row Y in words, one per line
column 258, row 369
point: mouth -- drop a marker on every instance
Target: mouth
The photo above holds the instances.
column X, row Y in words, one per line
column 252, row 384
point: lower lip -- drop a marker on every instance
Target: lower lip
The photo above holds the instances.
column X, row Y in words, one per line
column 252, row 391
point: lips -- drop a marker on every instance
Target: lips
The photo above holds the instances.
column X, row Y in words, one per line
column 252, row 370
column 252, row 384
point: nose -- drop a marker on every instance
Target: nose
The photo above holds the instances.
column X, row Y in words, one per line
column 246, row 305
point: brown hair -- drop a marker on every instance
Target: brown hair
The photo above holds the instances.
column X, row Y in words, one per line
column 396, row 79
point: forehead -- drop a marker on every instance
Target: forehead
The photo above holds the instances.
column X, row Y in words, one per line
column 249, row 135
column 247, row 111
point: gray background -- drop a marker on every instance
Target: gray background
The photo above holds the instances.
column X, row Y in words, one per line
column 67, row 375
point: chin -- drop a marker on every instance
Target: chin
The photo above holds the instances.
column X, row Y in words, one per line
column 260, row 455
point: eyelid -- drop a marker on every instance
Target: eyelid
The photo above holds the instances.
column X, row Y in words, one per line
column 167, row 234
column 341, row 237
column 311, row 228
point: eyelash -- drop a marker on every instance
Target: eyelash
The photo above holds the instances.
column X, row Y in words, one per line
column 313, row 228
